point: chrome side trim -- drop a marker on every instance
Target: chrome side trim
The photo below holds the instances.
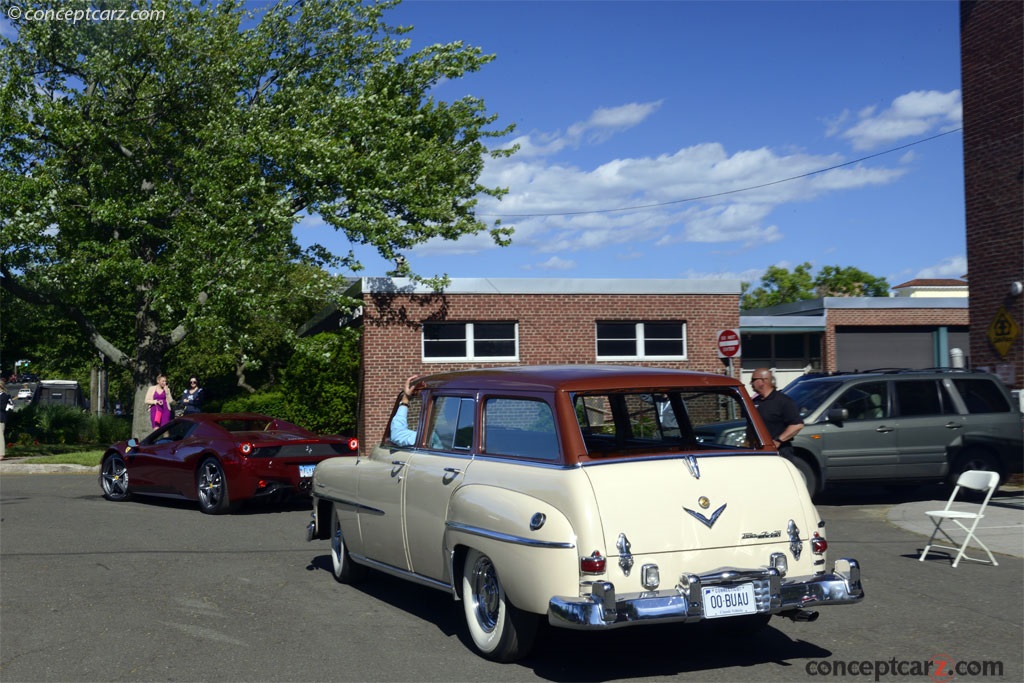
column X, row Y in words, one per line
column 675, row 456
column 506, row 538
column 403, row 573
column 351, row 505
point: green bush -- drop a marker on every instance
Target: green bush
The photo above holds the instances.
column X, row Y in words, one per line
column 319, row 387
column 57, row 424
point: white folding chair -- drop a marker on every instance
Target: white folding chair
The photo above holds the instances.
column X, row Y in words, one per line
column 977, row 480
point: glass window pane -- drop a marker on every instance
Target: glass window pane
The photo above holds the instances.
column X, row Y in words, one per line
column 446, row 349
column 492, row 349
column 663, row 330
column 520, row 427
column 616, row 331
column 663, row 347
column 438, row 331
column 918, row 397
column 757, row 345
column 616, row 348
column 982, row 396
column 789, row 346
column 494, row 331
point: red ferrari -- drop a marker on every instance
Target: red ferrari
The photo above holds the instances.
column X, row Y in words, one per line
column 219, row 460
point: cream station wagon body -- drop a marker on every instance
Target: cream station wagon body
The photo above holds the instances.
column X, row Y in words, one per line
column 581, row 495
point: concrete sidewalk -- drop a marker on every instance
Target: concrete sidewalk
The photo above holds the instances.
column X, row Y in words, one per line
column 1002, row 528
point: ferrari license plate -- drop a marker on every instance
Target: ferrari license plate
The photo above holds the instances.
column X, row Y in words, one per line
column 306, row 470
column 728, row 601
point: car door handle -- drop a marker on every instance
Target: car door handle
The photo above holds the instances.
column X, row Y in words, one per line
column 396, row 469
column 453, row 470
column 954, row 425
column 883, row 429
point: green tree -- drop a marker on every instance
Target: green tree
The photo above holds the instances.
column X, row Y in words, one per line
column 151, row 172
column 780, row 286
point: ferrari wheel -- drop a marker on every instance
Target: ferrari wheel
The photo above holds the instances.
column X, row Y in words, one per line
column 344, row 569
column 212, row 487
column 114, row 478
column 499, row 630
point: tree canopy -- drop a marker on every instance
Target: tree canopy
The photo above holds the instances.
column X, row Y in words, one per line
column 780, row 286
column 151, row 172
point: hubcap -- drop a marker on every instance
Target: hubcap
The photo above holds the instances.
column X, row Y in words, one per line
column 486, row 594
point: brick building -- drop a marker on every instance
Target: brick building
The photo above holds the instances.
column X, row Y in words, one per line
column 854, row 333
column 992, row 75
column 478, row 322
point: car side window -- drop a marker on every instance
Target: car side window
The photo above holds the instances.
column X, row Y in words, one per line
column 520, row 427
column 981, row 396
column 919, row 397
column 867, row 401
column 451, row 423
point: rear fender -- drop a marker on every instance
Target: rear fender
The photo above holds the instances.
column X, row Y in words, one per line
column 532, row 544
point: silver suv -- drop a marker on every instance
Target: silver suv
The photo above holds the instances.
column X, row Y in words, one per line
column 905, row 426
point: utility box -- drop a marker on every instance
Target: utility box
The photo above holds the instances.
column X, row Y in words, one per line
column 61, row 392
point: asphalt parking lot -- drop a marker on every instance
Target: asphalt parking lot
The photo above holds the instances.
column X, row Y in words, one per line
column 154, row 590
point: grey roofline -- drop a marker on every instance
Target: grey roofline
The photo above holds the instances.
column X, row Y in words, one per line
column 782, row 323
column 820, row 306
column 508, row 285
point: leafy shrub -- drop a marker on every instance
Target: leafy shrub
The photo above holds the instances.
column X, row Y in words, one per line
column 267, row 403
column 61, row 424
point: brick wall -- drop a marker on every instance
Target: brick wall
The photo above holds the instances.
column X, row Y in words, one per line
column 553, row 328
column 873, row 317
column 992, row 74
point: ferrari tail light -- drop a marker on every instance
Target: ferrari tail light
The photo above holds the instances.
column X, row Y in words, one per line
column 818, row 544
column 353, row 444
column 246, row 448
column 594, row 564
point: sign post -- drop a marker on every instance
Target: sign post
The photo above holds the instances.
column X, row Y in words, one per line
column 728, row 346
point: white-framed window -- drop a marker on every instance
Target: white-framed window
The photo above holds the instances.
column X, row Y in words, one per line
column 651, row 340
column 447, row 341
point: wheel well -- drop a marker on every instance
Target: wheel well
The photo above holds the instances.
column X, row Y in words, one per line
column 812, row 462
column 458, row 562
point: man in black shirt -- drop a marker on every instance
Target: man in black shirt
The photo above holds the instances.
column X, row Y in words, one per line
column 779, row 412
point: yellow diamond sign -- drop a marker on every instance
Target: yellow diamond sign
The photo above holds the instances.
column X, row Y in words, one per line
column 1003, row 331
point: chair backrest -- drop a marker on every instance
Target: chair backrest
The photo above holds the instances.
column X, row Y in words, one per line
column 979, row 480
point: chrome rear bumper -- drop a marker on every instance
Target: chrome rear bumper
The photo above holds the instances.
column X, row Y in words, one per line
column 773, row 594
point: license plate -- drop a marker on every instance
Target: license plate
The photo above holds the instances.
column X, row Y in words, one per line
column 306, row 470
column 728, row 601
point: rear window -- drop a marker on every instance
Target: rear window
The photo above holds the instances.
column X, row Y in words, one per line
column 635, row 422
column 981, row 396
column 520, row 427
column 236, row 425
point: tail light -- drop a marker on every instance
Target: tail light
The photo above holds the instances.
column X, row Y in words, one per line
column 246, row 448
column 594, row 564
column 818, row 544
column 353, row 444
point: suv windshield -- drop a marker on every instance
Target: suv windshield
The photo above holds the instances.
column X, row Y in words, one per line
column 809, row 393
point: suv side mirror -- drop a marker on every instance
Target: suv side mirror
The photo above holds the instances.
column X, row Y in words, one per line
column 837, row 416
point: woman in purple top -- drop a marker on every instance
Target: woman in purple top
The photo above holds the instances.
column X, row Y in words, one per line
column 159, row 400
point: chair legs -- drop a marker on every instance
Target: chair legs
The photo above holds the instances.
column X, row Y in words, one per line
column 961, row 548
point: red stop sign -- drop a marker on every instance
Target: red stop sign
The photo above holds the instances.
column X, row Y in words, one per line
column 729, row 344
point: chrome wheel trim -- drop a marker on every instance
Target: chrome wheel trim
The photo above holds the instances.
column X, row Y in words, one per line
column 486, row 594
column 211, row 484
column 115, row 477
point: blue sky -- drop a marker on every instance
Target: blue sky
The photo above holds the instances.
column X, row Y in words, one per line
column 651, row 104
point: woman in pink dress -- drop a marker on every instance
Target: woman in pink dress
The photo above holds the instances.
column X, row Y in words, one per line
column 159, row 400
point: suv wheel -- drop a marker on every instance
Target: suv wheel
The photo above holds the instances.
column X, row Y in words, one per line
column 807, row 472
column 974, row 459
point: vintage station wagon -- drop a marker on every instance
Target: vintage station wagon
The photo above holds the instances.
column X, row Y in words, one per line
column 582, row 494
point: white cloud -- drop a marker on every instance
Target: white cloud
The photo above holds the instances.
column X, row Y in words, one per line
column 602, row 124
column 553, row 263
column 951, row 267
column 914, row 114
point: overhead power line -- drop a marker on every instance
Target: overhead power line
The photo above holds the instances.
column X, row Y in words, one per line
column 721, row 194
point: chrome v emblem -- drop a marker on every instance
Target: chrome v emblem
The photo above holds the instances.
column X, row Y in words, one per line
column 708, row 522
column 691, row 462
